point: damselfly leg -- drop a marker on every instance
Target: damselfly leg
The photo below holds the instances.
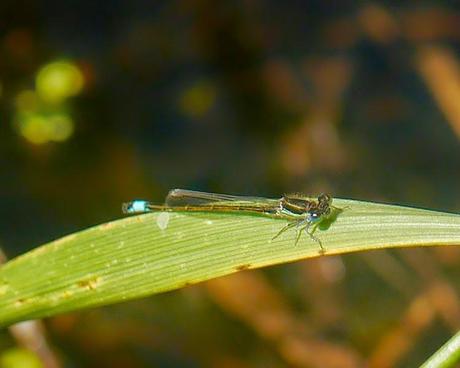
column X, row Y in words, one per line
column 306, row 225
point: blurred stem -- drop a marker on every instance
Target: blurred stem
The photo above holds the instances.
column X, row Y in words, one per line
column 447, row 356
column 31, row 336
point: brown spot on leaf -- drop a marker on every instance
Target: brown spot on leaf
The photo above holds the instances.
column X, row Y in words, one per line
column 243, row 267
column 90, row 283
column 67, row 294
column 20, row 302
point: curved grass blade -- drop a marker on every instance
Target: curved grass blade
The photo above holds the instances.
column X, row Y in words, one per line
column 448, row 356
column 153, row 253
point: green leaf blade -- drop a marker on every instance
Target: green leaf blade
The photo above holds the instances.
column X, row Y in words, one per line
column 157, row 252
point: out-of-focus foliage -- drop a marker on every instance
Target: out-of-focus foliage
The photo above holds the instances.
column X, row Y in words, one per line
column 105, row 101
column 19, row 358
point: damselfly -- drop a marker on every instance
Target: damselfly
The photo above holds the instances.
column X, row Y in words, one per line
column 301, row 213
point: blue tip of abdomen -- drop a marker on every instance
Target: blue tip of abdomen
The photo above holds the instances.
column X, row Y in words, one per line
column 136, row 206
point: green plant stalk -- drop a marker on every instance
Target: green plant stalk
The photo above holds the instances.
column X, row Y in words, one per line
column 447, row 356
column 152, row 253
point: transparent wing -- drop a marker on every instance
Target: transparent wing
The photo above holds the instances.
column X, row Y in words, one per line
column 184, row 197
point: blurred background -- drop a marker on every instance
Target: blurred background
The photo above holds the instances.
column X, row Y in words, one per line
column 105, row 101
